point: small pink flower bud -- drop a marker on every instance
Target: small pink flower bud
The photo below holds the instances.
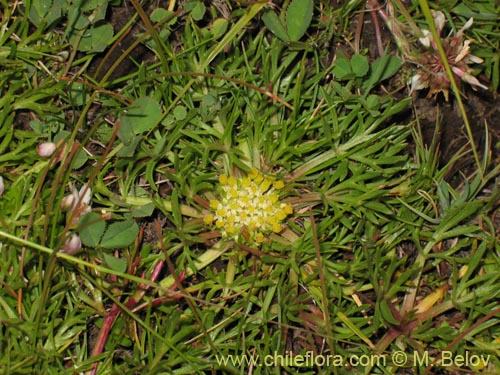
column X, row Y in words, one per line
column 469, row 78
column 46, row 149
column 72, row 245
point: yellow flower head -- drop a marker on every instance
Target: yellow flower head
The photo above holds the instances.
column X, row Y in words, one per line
column 248, row 206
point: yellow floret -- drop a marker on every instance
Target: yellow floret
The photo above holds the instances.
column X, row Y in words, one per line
column 233, row 193
column 253, row 190
column 277, row 228
column 245, row 182
column 258, row 178
column 223, row 179
column 260, row 221
column 268, row 209
column 272, row 220
column 265, row 185
column 231, row 229
column 278, row 184
column 281, row 215
column 273, row 198
column 208, row 218
column 214, row 203
column 259, row 237
column 260, row 201
column 253, row 173
column 232, row 181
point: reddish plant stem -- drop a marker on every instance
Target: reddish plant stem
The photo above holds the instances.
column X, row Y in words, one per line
column 116, row 310
column 460, row 338
column 103, row 334
column 372, row 6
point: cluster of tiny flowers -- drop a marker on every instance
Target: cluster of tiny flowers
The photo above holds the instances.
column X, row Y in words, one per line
column 248, row 206
column 431, row 72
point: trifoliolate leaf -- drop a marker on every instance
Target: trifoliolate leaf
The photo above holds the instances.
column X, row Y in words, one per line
column 91, row 228
column 298, row 18
column 120, row 234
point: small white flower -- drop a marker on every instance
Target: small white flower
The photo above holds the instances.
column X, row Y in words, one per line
column 46, row 149
column 464, row 51
column 2, row 186
column 417, row 83
column 467, row 25
column 439, row 21
column 78, row 203
column 426, row 38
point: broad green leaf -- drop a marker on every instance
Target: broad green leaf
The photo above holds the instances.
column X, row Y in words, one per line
column 143, row 211
column 158, row 14
column 78, row 93
column 116, row 264
column 373, row 102
column 126, row 132
column 128, row 150
column 342, row 69
column 180, row 112
column 219, row 27
column 80, row 159
column 94, row 10
column 144, row 114
column 273, row 23
column 129, row 139
column 197, row 9
column 91, row 228
column 46, row 11
column 360, row 65
column 392, row 67
column 95, row 39
column 381, row 69
column 298, row 18
column 120, row 234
